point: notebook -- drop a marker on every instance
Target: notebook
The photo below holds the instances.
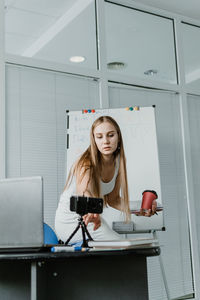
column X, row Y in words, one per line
column 123, row 243
column 21, row 213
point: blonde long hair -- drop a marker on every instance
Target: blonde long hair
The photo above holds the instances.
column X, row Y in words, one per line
column 91, row 160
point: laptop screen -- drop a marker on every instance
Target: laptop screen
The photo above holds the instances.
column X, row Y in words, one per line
column 21, row 212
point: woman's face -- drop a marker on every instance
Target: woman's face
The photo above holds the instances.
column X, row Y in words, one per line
column 106, row 138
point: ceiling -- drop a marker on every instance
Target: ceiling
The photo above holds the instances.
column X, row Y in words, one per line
column 27, row 21
column 56, row 30
column 50, row 29
column 40, row 15
column 188, row 8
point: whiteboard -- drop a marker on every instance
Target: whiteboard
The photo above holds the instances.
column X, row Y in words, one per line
column 138, row 129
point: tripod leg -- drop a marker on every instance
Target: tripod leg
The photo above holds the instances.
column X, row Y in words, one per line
column 87, row 232
column 73, row 233
column 84, row 232
column 85, row 244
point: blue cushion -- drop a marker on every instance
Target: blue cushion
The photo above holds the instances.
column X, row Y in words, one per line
column 49, row 235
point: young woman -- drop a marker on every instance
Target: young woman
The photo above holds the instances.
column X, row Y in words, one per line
column 99, row 172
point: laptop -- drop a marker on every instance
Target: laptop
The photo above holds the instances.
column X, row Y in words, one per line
column 21, row 214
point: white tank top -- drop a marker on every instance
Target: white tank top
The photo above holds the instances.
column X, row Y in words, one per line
column 107, row 187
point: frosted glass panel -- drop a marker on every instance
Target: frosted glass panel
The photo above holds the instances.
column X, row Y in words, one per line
column 141, row 45
column 191, row 50
column 36, row 104
column 175, row 249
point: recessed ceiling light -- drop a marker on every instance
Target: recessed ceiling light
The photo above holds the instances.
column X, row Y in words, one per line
column 116, row 65
column 77, row 59
column 151, row 72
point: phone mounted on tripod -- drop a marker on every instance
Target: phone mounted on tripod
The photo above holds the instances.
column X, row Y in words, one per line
column 83, row 205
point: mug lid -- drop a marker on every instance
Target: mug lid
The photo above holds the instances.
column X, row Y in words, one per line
column 151, row 191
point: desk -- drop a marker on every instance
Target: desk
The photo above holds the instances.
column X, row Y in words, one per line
column 106, row 275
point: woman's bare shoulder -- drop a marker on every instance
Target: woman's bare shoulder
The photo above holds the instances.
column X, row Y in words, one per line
column 83, row 172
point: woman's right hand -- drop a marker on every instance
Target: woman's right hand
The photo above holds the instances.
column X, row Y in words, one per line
column 92, row 218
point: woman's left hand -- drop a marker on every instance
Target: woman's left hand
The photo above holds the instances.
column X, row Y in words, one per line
column 150, row 212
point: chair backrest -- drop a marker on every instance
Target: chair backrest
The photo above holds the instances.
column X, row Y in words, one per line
column 49, row 235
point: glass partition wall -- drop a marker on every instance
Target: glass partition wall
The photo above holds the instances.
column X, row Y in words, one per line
column 36, row 104
column 57, row 32
column 168, row 125
column 108, row 40
column 141, row 45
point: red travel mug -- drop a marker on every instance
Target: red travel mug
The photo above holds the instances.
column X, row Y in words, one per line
column 147, row 198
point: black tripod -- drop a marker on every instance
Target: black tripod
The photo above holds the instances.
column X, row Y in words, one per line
column 81, row 224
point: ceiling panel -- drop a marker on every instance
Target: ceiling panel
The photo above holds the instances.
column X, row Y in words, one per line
column 27, row 23
column 78, row 38
column 46, row 7
column 17, row 42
